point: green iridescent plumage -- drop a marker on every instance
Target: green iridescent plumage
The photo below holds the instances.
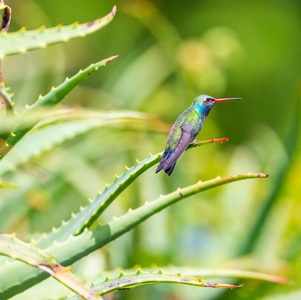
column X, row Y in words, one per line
column 190, row 117
column 185, row 130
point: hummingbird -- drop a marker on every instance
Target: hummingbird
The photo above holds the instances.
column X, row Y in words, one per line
column 185, row 130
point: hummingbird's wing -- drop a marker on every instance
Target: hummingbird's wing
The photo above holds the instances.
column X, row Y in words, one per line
column 170, row 156
column 188, row 133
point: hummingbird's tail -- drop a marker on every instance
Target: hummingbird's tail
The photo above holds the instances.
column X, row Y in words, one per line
column 170, row 170
column 165, row 163
column 167, row 171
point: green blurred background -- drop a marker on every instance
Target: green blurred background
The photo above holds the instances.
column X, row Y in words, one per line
column 170, row 52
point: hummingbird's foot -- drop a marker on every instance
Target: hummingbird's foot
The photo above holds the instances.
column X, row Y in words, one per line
column 195, row 141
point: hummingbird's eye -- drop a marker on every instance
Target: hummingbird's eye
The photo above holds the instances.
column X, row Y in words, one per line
column 208, row 99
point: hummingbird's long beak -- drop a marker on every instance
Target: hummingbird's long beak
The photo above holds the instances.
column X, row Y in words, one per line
column 226, row 99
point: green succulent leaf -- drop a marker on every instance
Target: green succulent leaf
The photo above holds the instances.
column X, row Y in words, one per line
column 16, row 278
column 16, row 249
column 23, row 41
column 44, row 136
column 121, row 279
column 91, row 212
column 124, row 281
column 199, row 272
column 56, row 95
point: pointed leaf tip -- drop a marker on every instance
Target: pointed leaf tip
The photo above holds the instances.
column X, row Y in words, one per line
column 222, row 285
column 262, row 175
column 113, row 12
column 111, row 58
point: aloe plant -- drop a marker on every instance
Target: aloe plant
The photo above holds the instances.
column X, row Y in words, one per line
column 41, row 127
column 23, row 40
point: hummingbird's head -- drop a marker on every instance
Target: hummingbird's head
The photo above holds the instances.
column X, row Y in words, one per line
column 204, row 103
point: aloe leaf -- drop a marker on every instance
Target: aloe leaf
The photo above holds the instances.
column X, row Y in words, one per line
column 16, row 249
column 195, row 272
column 25, row 122
column 124, row 281
column 216, row 273
column 23, row 41
column 15, row 278
column 44, row 138
column 90, row 213
column 57, row 94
